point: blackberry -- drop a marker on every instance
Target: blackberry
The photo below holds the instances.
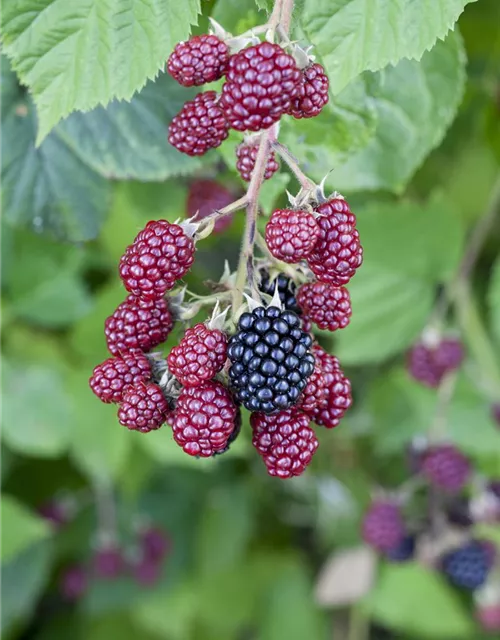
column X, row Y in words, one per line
column 315, row 393
column 446, row 468
column 429, row 364
column 285, row 441
column 74, row 582
column 111, row 378
column 143, row 408
column 138, row 324
column 204, row 419
column 200, row 60
column 313, row 93
column 286, row 290
column 160, row 255
column 383, row 527
column 199, row 356
column 261, row 82
column 404, row 551
column 338, row 253
column 108, row 563
column 247, row 155
column 327, row 306
column 271, row 359
column 338, row 391
column 468, row 566
column 199, row 126
column 291, row 234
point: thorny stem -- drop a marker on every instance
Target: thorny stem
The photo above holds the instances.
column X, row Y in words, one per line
column 227, row 210
column 292, row 162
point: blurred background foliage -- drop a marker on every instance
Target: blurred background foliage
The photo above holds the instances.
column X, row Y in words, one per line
column 415, row 148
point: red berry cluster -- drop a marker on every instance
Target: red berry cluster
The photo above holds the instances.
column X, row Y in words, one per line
column 262, row 83
column 161, row 254
column 270, row 364
column 327, row 239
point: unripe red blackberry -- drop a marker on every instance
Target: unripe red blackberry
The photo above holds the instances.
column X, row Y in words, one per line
column 246, row 154
column 285, row 441
column 200, row 60
column 204, row 419
column 329, row 307
column 315, row 393
column 111, row 378
column 338, row 391
column 143, row 408
column 291, row 235
column 160, row 255
column 383, row 527
column 199, row 356
column 261, row 82
column 429, row 364
column 205, row 197
column 199, row 126
column 313, row 93
column 154, row 543
column 337, row 253
column 138, row 324
column 74, row 582
column 446, row 468
column 108, row 563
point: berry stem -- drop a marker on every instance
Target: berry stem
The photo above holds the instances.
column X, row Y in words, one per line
column 106, row 512
column 292, row 162
column 245, row 272
column 225, row 211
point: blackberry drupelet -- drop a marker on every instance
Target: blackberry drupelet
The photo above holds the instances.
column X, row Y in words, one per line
column 286, row 290
column 271, row 360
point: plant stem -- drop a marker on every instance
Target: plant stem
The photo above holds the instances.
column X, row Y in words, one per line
column 226, row 211
column 245, row 266
column 292, row 162
column 106, row 512
column 281, row 15
column 359, row 623
column 286, row 15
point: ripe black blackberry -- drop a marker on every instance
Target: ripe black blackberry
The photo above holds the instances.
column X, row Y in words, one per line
column 286, row 290
column 271, row 359
column 468, row 566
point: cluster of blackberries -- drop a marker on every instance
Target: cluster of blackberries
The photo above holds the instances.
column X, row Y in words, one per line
column 143, row 562
column 467, row 563
column 161, row 254
column 262, row 83
column 327, row 238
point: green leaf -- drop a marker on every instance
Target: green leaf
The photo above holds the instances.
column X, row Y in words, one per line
column 23, row 580
column 494, row 301
column 389, row 122
column 130, row 139
column 389, row 310
column 52, row 294
column 397, row 236
column 415, row 102
column 48, row 188
column 353, row 36
column 74, row 56
column 288, row 609
column 42, row 425
column 99, row 444
column 181, row 606
column 401, row 588
column 225, row 529
column 20, row 528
